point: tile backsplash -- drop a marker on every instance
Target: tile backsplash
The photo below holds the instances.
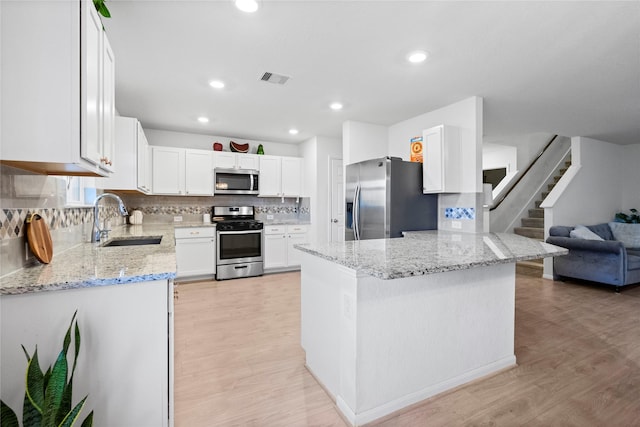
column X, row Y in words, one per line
column 165, row 208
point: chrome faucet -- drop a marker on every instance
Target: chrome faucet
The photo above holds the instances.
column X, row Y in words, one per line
column 96, row 232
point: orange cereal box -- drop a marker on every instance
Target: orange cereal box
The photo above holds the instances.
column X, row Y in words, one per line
column 416, row 149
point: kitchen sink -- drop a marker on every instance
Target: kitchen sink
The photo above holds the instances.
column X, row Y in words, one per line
column 134, row 241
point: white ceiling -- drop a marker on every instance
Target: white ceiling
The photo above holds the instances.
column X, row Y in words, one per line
column 571, row 68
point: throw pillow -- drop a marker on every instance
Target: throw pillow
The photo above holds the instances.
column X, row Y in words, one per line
column 628, row 234
column 582, row 232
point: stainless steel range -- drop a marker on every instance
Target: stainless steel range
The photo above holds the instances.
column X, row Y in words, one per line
column 240, row 242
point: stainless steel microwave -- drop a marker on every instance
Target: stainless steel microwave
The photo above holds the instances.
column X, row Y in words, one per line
column 235, row 181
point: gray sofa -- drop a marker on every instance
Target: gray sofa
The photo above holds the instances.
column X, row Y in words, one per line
column 606, row 261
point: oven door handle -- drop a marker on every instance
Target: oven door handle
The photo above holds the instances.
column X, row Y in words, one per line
column 241, row 232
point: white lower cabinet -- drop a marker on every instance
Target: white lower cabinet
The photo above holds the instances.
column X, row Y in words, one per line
column 279, row 253
column 195, row 252
column 296, row 235
column 125, row 362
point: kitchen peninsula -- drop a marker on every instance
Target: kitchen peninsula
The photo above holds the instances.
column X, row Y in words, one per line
column 386, row 323
column 124, row 300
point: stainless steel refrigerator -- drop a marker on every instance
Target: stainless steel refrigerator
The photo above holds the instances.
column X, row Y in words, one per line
column 384, row 198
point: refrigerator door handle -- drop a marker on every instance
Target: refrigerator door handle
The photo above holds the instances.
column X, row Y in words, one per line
column 356, row 213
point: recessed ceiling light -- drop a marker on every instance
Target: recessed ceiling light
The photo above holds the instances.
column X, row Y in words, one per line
column 293, row 131
column 203, row 119
column 336, row 106
column 248, row 6
column 417, row 56
column 216, row 84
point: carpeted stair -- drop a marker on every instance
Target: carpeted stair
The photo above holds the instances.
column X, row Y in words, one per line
column 533, row 227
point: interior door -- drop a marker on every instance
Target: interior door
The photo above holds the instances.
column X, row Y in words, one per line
column 336, row 198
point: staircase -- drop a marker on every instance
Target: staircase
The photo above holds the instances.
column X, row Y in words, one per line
column 533, row 226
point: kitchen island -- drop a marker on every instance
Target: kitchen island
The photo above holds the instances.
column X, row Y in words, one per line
column 387, row 323
column 124, row 298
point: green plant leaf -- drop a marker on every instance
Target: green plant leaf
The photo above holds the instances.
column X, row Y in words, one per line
column 47, row 375
column 104, row 11
column 102, row 8
column 88, row 422
column 54, row 391
column 35, row 383
column 8, row 418
column 73, row 415
column 65, row 403
column 26, row 353
column 30, row 415
column 77, row 347
column 34, row 393
column 67, row 335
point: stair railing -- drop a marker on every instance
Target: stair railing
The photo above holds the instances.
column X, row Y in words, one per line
column 531, row 164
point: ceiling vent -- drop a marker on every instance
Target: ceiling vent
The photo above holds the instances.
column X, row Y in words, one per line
column 274, row 78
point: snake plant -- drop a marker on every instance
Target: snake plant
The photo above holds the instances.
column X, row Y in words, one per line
column 47, row 398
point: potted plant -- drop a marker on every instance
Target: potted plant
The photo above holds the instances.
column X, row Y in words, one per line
column 47, row 398
column 632, row 218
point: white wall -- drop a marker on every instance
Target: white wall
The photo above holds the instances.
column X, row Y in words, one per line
column 205, row 142
column 496, row 156
column 363, row 141
column 631, row 177
column 595, row 191
column 527, row 146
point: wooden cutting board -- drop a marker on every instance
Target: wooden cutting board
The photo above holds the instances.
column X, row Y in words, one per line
column 39, row 238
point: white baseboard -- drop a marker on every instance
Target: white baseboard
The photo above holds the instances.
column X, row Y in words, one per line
column 420, row 395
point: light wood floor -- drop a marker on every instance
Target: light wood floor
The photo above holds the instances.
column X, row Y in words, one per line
column 238, row 361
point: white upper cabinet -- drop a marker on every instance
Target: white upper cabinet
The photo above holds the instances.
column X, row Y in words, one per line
column 230, row 160
column 270, row 176
column 248, row 161
column 441, row 167
column 91, row 86
column 291, row 176
column 280, row 176
column 144, row 161
column 57, row 88
column 168, row 170
column 198, row 173
column 108, row 107
column 132, row 158
column 180, row 171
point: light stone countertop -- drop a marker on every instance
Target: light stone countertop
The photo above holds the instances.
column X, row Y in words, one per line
column 428, row 252
column 90, row 264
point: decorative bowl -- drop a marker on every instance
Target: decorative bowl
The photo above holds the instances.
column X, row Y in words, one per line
column 238, row 148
